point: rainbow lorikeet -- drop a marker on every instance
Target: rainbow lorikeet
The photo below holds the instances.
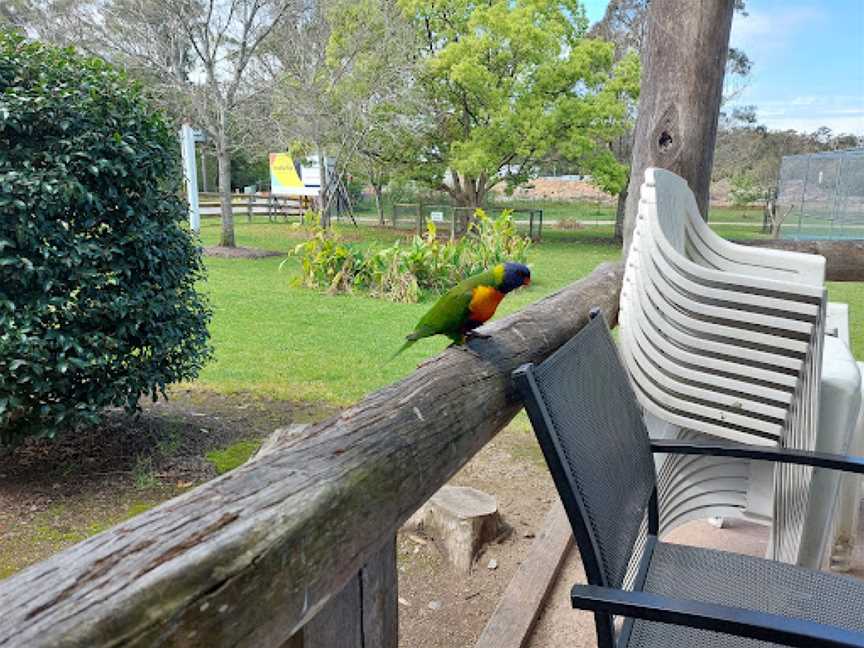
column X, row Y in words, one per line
column 469, row 304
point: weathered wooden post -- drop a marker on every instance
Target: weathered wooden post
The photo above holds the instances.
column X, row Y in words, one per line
column 249, row 207
column 365, row 612
column 683, row 65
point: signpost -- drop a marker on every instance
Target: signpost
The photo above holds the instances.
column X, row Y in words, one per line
column 291, row 178
column 190, row 173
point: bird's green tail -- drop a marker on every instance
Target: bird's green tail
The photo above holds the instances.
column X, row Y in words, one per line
column 409, row 340
column 407, row 344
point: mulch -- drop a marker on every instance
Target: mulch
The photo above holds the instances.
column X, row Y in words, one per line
column 239, row 252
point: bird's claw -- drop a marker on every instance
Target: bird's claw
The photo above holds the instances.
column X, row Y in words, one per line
column 476, row 335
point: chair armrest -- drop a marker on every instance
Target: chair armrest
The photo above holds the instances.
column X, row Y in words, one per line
column 846, row 463
column 711, row 616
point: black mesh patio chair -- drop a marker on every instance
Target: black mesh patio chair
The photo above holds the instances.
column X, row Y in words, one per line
column 591, row 431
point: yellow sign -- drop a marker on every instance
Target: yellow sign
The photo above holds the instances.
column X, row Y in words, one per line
column 284, row 178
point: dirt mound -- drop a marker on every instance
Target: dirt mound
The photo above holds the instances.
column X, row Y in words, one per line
column 558, row 189
column 239, row 252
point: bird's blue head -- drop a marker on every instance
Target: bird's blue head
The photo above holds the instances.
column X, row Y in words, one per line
column 516, row 275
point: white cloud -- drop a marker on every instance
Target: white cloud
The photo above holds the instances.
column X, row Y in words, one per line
column 763, row 34
column 840, row 113
column 804, row 101
column 808, row 124
column 833, row 112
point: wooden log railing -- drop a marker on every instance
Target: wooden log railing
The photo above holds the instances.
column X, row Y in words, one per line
column 249, row 558
column 844, row 260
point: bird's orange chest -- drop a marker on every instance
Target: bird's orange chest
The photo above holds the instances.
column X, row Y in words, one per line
column 484, row 301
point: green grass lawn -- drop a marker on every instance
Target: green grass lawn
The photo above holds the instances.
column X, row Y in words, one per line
column 273, row 338
column 277, row 339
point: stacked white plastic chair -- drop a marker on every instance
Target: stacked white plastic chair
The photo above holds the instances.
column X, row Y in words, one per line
column 726, row 341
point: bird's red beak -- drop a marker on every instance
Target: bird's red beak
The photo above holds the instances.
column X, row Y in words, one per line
column 527, row 281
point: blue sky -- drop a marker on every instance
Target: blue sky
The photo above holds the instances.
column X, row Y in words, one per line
column 808, row 60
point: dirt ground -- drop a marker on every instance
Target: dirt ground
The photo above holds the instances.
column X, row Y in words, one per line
column 56, row 493
column 439, row 608
column 578, row 190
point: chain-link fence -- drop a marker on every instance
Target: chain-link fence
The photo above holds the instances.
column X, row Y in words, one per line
column 454, row 220
column 821, row 195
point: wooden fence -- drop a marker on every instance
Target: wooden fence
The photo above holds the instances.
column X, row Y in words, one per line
column 271, row 205
column 297, row 548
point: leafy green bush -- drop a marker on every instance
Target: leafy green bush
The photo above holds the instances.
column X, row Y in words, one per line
column 402, row 273
column 97, row 275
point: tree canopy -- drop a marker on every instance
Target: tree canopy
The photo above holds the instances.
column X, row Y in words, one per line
column 503, row 84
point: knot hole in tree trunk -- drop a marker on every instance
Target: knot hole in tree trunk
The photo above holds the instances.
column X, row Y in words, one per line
column 666, row 144
column 665, row 140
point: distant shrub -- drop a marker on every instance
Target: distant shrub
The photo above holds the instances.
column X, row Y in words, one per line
column 402, row 273
column 745, row 190
column 97, row 274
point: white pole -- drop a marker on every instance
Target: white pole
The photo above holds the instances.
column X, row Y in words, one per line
column 190, row 172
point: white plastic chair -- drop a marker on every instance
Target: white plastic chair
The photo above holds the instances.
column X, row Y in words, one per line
column 726, row 341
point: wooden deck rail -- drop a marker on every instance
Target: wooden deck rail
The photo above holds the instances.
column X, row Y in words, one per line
column 249, row 558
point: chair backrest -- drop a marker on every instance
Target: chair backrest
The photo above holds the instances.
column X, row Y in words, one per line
column 666, row 197
column 590, row 429
column 725, row 340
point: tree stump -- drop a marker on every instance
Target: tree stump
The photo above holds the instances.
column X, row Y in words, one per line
column 460, row 520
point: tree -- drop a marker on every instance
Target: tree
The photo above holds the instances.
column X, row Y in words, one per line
column 748, row 155
column 625, row 24
column 679, row 105
column 97, row 271
column 376, row 171
column 343, row 76
column 198, row 58
column 503, row 84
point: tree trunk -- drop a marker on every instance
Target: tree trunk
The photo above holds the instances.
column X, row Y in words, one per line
column 223, row 158
column 619, row 214
column 203, row 169
column 379, row 202
column 469, row 192
column 683, row 64
column 325, row 203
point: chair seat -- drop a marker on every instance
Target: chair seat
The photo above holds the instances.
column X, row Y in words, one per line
column 710, row 576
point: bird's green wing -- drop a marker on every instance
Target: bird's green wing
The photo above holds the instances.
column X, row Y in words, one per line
column 450, row 312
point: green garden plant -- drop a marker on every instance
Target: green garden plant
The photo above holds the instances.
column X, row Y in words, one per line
column 403, row 273
column 97, row 273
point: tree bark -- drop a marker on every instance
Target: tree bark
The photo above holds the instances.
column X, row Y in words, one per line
column 203, row 155
column 619, row 215
column 379, row 202
column 223, row 159
column 468, row 192
column 683, row 65
column 325, row 203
